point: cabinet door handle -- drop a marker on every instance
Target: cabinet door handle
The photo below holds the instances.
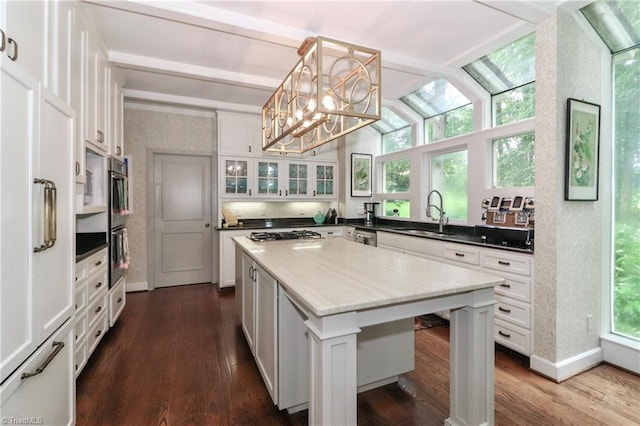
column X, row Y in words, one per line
column 503, row 262
column 286, row 192
column 314, row 192
column 118, row 150
column 505, row 285
column 57, row 347
column 50, row 215
column 508, row 336
column 14, row 56
column 459, row 254
column 206, row 225
column 98, row 333
column 249, row 148
column 500, row 308
column 249, row 192
column 77, row 168
column 3, row 41
column 98, row 309
column 280, row 192
column 99, row 284
column 98, row 263
column 119, row 300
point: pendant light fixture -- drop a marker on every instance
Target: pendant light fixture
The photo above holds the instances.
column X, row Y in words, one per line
column 333, row 90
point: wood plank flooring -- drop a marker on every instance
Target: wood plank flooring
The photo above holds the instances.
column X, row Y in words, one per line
column 177, row 356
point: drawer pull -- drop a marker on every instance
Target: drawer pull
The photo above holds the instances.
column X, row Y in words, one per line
column 508, row 336
column 500, row 308
column 119, row 300
column 505, row 285
column 98, row 309
column 459, row 254
column 99, row 284
column 504, row 263
column 98, row 333
column 98, row 263
column 57, row 347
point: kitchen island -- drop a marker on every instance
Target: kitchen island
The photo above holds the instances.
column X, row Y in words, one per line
column 343, row 287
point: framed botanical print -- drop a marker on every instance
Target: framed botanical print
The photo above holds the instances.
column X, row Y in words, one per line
column 582, row 151
column 361, row 175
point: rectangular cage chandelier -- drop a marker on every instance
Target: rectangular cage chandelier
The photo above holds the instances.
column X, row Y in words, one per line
column 333, row 90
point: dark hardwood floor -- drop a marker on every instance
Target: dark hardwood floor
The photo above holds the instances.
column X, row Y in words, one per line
column 177, row 356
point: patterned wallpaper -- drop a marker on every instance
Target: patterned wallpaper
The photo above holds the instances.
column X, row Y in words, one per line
column 162, row 128
column 568, row 264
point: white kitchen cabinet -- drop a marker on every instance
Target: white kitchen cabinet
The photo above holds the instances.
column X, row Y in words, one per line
column 325, row 181
column 297, row 179
column 116, row 111
column 421, row 247
column 92, row 280
column 117, row 301
column 239, row 134
column 462, row 255
column 513, row 308
column 236, row 177
column 266, row 329
column 36, row 246
column 47, row 397
column 23, row 25
column 269, row 181
column 227, row 253
column 94, row 92
column 248, row 300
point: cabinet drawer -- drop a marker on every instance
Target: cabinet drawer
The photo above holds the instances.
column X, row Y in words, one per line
column 515, row 286
column 97, row 332
column 81, row 297
column 117, row 300
column 97, row 308
column 462, row 254
column 81, row 328
column 97, row 261
column 513, row 337
column 507, row 262
column 81, row 272
column 513, row 311
column 49, row 394
column 97, row 284
column 80, row 357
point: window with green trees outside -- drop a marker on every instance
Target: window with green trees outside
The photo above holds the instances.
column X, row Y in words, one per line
column 626, row 164
column 449, row 176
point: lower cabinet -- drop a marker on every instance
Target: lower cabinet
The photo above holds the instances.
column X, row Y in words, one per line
column 275, row 331
column 513, row 308
column 43, row 389
column 97, row 306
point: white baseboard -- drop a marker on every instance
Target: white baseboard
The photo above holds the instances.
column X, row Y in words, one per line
column 621, row 352
column 569, row 367
column 142, row 286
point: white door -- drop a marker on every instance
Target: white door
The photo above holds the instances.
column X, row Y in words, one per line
column 182, row 219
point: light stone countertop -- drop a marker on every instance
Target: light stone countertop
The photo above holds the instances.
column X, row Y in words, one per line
column 331, row 276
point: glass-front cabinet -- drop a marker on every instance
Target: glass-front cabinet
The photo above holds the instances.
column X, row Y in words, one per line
column 325, row 179
column 266, row 178
column 297, row 180
column 237, row 174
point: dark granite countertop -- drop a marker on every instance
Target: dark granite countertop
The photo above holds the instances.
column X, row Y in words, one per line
column 89, row 243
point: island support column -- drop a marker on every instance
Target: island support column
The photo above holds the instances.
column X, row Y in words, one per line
column 472, row 361
column 332, row 369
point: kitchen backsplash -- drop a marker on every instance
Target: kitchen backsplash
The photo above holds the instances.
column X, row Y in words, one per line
column 261, row 210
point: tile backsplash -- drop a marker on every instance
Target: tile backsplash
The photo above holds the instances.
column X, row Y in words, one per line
column 262, row 210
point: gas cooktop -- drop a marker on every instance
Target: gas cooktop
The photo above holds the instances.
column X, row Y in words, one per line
column 283, row 235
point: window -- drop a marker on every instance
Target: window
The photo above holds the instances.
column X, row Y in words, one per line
column 395, row 180
column 626, row 201
column 513, row 161
column 449, row 176
column 396, row 132
column 508, row 74
column 449, row 124
column 447, row 112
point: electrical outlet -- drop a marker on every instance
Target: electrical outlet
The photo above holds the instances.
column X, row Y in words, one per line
column 360, row 210
column 589, row 323
column 263, row 212
column 238, row 212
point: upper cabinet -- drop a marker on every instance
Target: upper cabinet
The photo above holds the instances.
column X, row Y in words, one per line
column 94, row 81
column 23, row 38
column 115, row 122
column 239, row 134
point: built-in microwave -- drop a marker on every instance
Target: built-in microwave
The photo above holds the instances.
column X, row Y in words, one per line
column 88, row 187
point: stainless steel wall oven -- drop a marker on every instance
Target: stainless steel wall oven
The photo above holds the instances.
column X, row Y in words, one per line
column 118, row 212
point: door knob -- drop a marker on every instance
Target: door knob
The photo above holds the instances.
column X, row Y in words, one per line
column 207, row 225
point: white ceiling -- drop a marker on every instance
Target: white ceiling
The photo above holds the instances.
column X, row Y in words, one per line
column 233, row 54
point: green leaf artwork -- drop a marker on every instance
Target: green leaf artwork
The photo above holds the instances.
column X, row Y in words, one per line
column 583, row 150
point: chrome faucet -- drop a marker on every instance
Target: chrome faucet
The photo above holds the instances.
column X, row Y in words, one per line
column 442, row 220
